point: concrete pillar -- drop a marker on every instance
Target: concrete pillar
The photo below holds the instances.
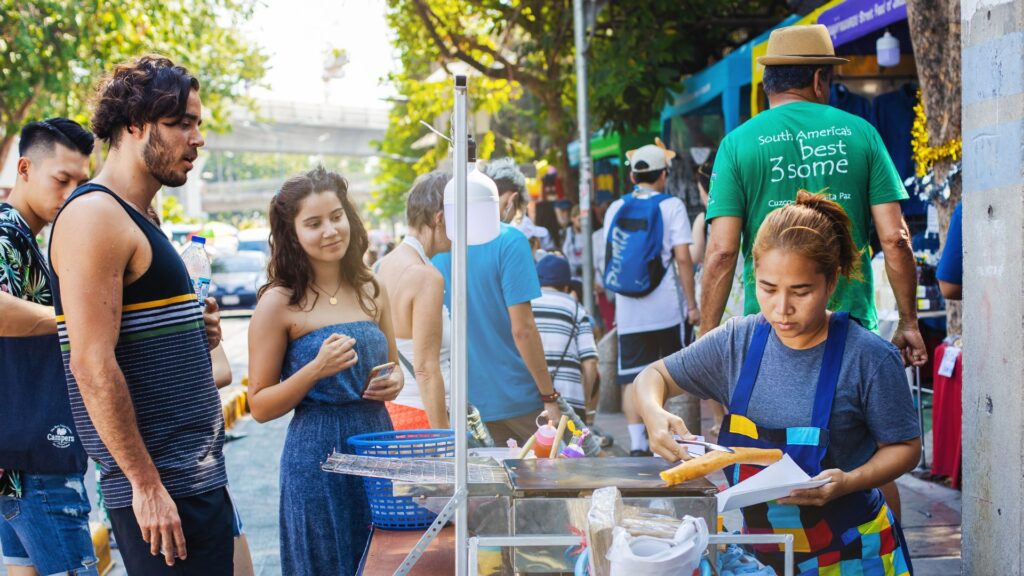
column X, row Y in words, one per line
column 610, row 394
column 993, row 394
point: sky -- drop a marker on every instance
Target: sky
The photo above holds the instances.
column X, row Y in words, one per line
column 295, row 34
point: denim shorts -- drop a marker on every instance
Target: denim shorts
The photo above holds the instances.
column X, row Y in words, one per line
column 48, row 527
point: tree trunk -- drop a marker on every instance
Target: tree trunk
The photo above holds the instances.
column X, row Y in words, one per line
column 16, row 120
column 935, row 33
column 5, row 147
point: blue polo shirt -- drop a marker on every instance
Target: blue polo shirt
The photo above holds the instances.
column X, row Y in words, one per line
column 951, row 266
column 501, row 273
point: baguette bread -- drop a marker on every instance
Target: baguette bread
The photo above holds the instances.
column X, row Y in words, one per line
column 715, row 460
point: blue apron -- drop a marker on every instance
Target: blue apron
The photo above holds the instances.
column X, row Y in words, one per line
column 37, row 431
column 852, row 535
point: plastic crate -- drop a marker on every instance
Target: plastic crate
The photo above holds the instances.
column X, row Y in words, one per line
column 392, row 512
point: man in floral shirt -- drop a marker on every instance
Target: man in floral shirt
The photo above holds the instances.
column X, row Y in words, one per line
column 44, row 510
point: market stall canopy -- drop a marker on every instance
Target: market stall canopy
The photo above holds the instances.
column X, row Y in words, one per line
column 607, row 143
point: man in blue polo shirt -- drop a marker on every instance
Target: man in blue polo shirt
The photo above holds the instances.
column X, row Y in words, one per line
column 508, row 374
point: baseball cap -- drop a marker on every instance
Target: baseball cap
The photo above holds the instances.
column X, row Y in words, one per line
column 563, row 204
column 554, row 271
column 650, row 157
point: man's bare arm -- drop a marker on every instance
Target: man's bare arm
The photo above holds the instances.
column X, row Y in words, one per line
column 902, row 272
column 20, row 318
column 92, row 247
column 530, row 347
column 719, row 268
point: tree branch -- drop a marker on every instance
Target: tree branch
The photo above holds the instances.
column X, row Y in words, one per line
column 508, row 71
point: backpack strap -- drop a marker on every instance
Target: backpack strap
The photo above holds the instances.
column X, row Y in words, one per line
column 572, row 336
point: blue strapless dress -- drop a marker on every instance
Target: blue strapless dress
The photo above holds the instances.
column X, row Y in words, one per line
column 325, row 518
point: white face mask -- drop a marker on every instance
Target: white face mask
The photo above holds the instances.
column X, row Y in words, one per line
column 510, row 211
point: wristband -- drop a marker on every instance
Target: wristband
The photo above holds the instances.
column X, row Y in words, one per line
column 549, row 398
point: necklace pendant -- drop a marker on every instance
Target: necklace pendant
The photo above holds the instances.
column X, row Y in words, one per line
column 333, row 300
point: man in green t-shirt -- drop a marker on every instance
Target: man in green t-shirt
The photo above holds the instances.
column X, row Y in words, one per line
column 803, row 143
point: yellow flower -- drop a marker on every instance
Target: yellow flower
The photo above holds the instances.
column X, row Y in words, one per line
column 926, row 156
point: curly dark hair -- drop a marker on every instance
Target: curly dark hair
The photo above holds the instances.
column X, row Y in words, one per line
column 139, row 92
column 289, row 265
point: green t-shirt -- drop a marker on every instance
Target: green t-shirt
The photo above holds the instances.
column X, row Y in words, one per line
column 761, row 166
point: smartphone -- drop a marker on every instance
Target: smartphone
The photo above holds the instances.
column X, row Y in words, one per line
column 382, row 371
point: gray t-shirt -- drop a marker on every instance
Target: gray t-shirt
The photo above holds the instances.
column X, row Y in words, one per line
column 872, row 403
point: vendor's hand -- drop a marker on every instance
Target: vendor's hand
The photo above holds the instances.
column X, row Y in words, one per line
column 553, row 413
column 911, row 344
column 693, row 316
column 211, row 320
column 661, row 427
column 385, row 388
column 337, row 353
column 823, row 494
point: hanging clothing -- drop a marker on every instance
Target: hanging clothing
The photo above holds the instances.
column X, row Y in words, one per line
column 893, row 116
column 841, row 97
column 851, row 535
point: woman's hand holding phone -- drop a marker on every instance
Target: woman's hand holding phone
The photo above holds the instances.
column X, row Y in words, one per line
column 384, row 383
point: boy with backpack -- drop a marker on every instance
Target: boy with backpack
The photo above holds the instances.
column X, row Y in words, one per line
column 647, row 260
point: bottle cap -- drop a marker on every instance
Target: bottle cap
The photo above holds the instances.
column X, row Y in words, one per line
column 199, row 239
column 546, row 435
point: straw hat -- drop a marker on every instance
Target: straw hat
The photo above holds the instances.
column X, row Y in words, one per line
column 800, row 45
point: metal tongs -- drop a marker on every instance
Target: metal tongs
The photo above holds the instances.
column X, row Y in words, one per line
column 706, row 445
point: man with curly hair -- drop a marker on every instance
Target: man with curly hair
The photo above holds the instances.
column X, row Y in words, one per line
column 132, row 332
column 44, row 527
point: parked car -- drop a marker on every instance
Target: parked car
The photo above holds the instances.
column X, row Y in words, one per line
column 236, row 278
column 257, row 239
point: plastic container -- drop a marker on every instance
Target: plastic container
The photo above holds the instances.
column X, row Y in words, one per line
column 888, row 50
column 197, row 262
column 482, row 221
column 388, row 511
column 545, row 438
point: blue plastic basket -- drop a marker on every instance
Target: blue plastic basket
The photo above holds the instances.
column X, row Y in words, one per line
column 400, row 513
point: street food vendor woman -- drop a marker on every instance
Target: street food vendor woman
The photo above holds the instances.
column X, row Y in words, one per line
column 812, row 383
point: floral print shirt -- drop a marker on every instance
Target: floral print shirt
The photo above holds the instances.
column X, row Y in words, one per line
column 22, row 275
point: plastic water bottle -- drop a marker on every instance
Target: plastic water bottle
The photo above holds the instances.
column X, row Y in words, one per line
column 197, row 262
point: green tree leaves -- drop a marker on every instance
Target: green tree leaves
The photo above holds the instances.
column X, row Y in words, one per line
column 53, row 52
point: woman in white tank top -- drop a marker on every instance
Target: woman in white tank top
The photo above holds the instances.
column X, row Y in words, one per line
column 421, row 322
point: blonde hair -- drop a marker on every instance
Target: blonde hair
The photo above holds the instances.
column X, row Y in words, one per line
column 816, row 228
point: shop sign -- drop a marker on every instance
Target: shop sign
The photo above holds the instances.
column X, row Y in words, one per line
column 856, row 18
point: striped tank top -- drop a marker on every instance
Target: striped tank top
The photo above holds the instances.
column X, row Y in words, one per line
column 163, row 352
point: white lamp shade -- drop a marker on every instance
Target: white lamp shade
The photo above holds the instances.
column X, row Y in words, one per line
column 482, row 222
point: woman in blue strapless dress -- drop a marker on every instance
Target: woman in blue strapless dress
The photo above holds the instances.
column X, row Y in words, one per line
column 321, row 325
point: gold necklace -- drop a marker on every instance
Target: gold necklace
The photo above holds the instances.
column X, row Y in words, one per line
column 330, row 298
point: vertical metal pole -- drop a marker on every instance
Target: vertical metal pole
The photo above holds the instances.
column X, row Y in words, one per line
column 459, row 336
column 585, row 168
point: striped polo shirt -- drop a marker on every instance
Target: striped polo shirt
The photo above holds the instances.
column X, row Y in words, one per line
column 556, row 314
column 164, row 355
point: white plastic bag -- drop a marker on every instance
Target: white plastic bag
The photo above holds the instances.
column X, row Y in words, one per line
column 650, row 556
